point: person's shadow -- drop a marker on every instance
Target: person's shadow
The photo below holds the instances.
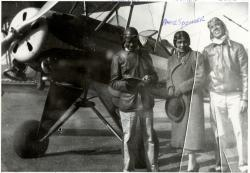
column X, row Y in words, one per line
column 171, row 158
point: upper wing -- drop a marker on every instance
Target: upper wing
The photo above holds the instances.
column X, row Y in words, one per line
column 91, row 6
column 11, row 8
column 107, row 6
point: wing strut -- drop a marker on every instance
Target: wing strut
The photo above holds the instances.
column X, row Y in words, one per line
column 159, row 33
column 117, row 17
column 130, row 14
column 73, row 7
column 235, row 23
column 116, row 6
column 84, row 102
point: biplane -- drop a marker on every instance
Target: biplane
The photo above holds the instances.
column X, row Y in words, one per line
column 73, row 52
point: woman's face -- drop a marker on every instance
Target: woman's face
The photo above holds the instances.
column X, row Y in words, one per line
column 182, row 45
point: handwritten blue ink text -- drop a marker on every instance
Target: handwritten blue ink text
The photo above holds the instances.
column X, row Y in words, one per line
column 183, row 23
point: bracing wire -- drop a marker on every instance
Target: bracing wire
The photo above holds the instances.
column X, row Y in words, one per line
column 190, row 105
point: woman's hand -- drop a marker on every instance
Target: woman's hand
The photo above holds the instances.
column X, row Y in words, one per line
column 243, row 106
column 177, row 92
column 171, row 91
column 174, row 92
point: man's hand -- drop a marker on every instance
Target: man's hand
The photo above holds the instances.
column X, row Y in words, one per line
column 147, row 79
column 243, row 106
column 174, row 92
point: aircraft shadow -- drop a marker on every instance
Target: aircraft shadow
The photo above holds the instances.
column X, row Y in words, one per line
column 97, row 151
column 164, row 134
column 84, row 132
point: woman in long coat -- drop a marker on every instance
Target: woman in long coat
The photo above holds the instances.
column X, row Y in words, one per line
column 184, row 80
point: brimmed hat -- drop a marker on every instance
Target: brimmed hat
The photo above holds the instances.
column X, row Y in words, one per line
column 175, row 108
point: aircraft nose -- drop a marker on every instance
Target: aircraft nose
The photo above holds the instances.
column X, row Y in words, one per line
column 30, row 43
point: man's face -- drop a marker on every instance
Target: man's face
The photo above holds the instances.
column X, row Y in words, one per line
column 217, row 30
column 182, row 45
column 131, row 43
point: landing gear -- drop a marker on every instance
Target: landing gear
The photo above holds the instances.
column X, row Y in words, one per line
column 16, row 72
column 26, row 140
column 31, row 139
column 40, row 83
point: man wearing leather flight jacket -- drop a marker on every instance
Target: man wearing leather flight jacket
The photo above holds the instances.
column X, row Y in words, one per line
column 132, row 73
column 227, row 69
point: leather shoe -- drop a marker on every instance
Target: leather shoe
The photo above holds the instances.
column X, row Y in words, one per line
column 196, row 168
column 219, row 169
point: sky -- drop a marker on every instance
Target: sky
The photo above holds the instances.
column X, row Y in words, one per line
column 148, row 16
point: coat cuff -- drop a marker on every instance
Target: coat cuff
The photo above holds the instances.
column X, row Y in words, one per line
column 244, row 97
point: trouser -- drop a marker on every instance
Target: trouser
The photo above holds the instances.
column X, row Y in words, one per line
column 129, row 121
column 225, row 107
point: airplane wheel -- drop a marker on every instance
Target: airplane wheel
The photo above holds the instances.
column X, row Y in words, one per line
column 26, row 144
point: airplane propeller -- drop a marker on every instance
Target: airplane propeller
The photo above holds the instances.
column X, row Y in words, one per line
column 25, row 26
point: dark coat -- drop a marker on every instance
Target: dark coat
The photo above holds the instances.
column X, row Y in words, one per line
column 190, row 130
column 135, row 64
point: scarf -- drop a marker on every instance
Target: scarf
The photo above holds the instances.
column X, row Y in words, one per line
column 223, row 61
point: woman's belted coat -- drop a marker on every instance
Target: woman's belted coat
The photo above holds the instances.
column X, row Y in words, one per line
column 186, row 74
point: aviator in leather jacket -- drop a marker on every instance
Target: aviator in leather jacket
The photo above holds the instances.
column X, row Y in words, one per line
column 227, row 67
column 135, row 64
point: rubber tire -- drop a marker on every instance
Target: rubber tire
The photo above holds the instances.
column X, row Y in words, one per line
column 26, row 144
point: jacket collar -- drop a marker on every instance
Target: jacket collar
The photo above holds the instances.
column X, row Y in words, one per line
column 224, row 41
column 184, row 58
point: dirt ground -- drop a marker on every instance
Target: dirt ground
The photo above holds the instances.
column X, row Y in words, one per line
column 85, row 144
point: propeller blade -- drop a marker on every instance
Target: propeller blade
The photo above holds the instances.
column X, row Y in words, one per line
column 7, row 42
column 11, row 36
column 45, row 8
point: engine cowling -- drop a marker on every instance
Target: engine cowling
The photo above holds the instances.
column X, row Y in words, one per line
column 36, row 40
column 30, row 44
